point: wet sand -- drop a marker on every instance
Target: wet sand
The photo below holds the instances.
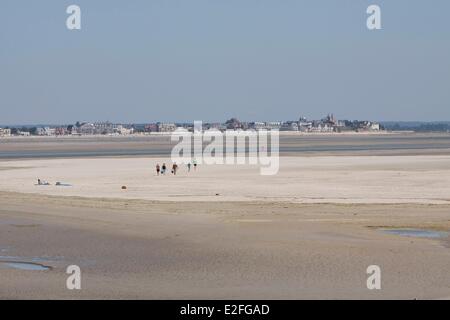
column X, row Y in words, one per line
column 204, row 250
column 291, row 144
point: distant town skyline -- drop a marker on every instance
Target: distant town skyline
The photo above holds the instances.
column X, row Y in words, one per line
column 179, row 61
column 142, row 122
column 328, row 124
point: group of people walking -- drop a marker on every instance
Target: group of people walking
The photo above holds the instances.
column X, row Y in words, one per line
column 163, row 169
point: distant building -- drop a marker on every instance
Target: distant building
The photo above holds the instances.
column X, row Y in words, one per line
column 233, row 124
column 330, row 119
column 304, row 125
column 289, row 126
column 368, row 126
column 166, row 127
column 45, row 131
column 5, row 132
column 331, row 124
column 123, row 131
column 84, row 129
column 321, row 126
column 375, row 126
column 214, row 125
column 257, row 125
column 273, row 125
column 40, row 131
column 60, row 131
column 152, row 127
column 109, row 128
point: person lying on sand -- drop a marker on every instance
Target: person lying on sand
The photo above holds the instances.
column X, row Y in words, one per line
column 42, row 183
column 60, row 184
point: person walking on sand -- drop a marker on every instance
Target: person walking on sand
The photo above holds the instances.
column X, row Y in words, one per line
column 174, row 168
column 158, row 169
column 195, row 164
column 189, row 167
column 163, row 171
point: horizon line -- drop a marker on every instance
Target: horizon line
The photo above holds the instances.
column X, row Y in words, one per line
column 192, row 121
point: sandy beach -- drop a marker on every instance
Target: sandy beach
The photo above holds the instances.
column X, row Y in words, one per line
column 226, row 231
column 354, row 179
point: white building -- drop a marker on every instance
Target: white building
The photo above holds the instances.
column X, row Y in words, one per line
column 46, row 131
column 375, row 126
column 123, row 131
column 110, row 128
column 5, row 132
column 321, row 127
column 273, row 125
column 305, row 127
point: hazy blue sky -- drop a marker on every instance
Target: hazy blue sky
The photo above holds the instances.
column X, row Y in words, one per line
column 161, row 60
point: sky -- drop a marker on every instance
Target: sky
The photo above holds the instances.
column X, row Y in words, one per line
column 140, row 61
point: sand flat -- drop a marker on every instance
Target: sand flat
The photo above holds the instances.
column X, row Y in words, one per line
column 331, row 179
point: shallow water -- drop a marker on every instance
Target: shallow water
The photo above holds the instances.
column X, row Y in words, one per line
column 24, row 266
column 135, row 146
column 417, row 233
column 21, row 263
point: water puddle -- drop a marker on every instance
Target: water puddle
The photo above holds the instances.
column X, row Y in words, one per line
column 24, row 266
column 417, row 233
column 21, row 263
